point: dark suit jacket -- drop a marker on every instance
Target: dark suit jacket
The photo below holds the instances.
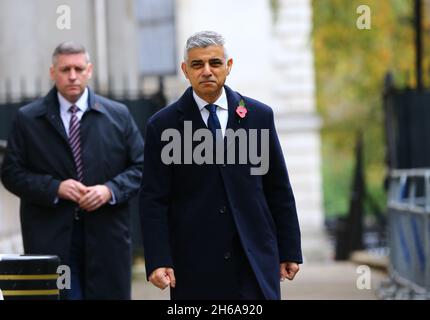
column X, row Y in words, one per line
column 191, row 213
column 39, row 157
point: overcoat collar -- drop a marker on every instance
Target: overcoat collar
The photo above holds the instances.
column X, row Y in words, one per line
column 51, row 109
column 188, row 109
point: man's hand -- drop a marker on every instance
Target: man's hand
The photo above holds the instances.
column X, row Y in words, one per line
column 95, row 197
column 71, row 190
column 163, row 277
column 288, row 270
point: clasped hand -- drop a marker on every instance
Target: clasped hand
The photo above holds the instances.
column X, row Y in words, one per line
column 89, row 198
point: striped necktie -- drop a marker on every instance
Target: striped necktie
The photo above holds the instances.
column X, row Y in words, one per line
column 75, row 141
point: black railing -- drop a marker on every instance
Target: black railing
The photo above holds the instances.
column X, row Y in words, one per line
column 407, row 130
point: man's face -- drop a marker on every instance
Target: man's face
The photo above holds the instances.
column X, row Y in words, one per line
column 207, row 70
column 71, row 74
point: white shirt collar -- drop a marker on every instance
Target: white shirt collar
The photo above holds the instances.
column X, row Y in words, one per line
column 82, row 103
column 220, row 102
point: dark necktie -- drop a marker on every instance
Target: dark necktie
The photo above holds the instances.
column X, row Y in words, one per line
column 213, row 121
column 75, row 141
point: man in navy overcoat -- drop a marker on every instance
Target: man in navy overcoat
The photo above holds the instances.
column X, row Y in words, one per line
column 215, row 230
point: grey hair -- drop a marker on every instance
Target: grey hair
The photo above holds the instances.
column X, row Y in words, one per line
column 69, row 47
column 205, row 39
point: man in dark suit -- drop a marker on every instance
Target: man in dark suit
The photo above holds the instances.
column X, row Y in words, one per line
column 75, row 160
column 216, row 230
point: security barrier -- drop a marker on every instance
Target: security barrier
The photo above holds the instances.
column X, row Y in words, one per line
column 409, row 235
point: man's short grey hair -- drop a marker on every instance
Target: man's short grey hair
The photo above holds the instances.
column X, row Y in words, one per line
column 69, row 47
column 204, row 39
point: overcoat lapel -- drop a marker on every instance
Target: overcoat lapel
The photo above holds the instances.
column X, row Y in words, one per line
column 53, row 113
column 234, row 121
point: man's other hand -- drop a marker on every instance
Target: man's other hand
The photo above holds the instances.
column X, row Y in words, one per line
column 163, row 277
column 71, row 190
column 95, row 197
column 288, row 270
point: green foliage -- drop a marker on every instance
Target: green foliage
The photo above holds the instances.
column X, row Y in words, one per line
column 350, row 69
column 274, row 6
column 337, row 172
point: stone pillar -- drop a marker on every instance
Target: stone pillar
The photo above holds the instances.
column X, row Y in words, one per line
column 102, row 70
column 296, row 119
column 122, row 46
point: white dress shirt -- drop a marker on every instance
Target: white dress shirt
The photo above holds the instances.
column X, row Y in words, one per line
column 221, row 111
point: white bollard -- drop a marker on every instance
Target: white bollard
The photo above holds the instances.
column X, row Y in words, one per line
column 1, row 295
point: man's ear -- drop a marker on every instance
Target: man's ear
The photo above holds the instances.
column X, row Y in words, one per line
column 90, row 70
column 52, row 72
column 184, row 69
column 229, row 65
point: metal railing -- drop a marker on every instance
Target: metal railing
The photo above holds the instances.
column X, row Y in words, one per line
column 2, row 150
column 409, row 235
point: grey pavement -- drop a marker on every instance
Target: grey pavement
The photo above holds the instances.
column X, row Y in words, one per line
column 332, row 281
column 315, row 281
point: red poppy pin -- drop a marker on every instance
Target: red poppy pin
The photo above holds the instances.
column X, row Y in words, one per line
column 241, row 110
